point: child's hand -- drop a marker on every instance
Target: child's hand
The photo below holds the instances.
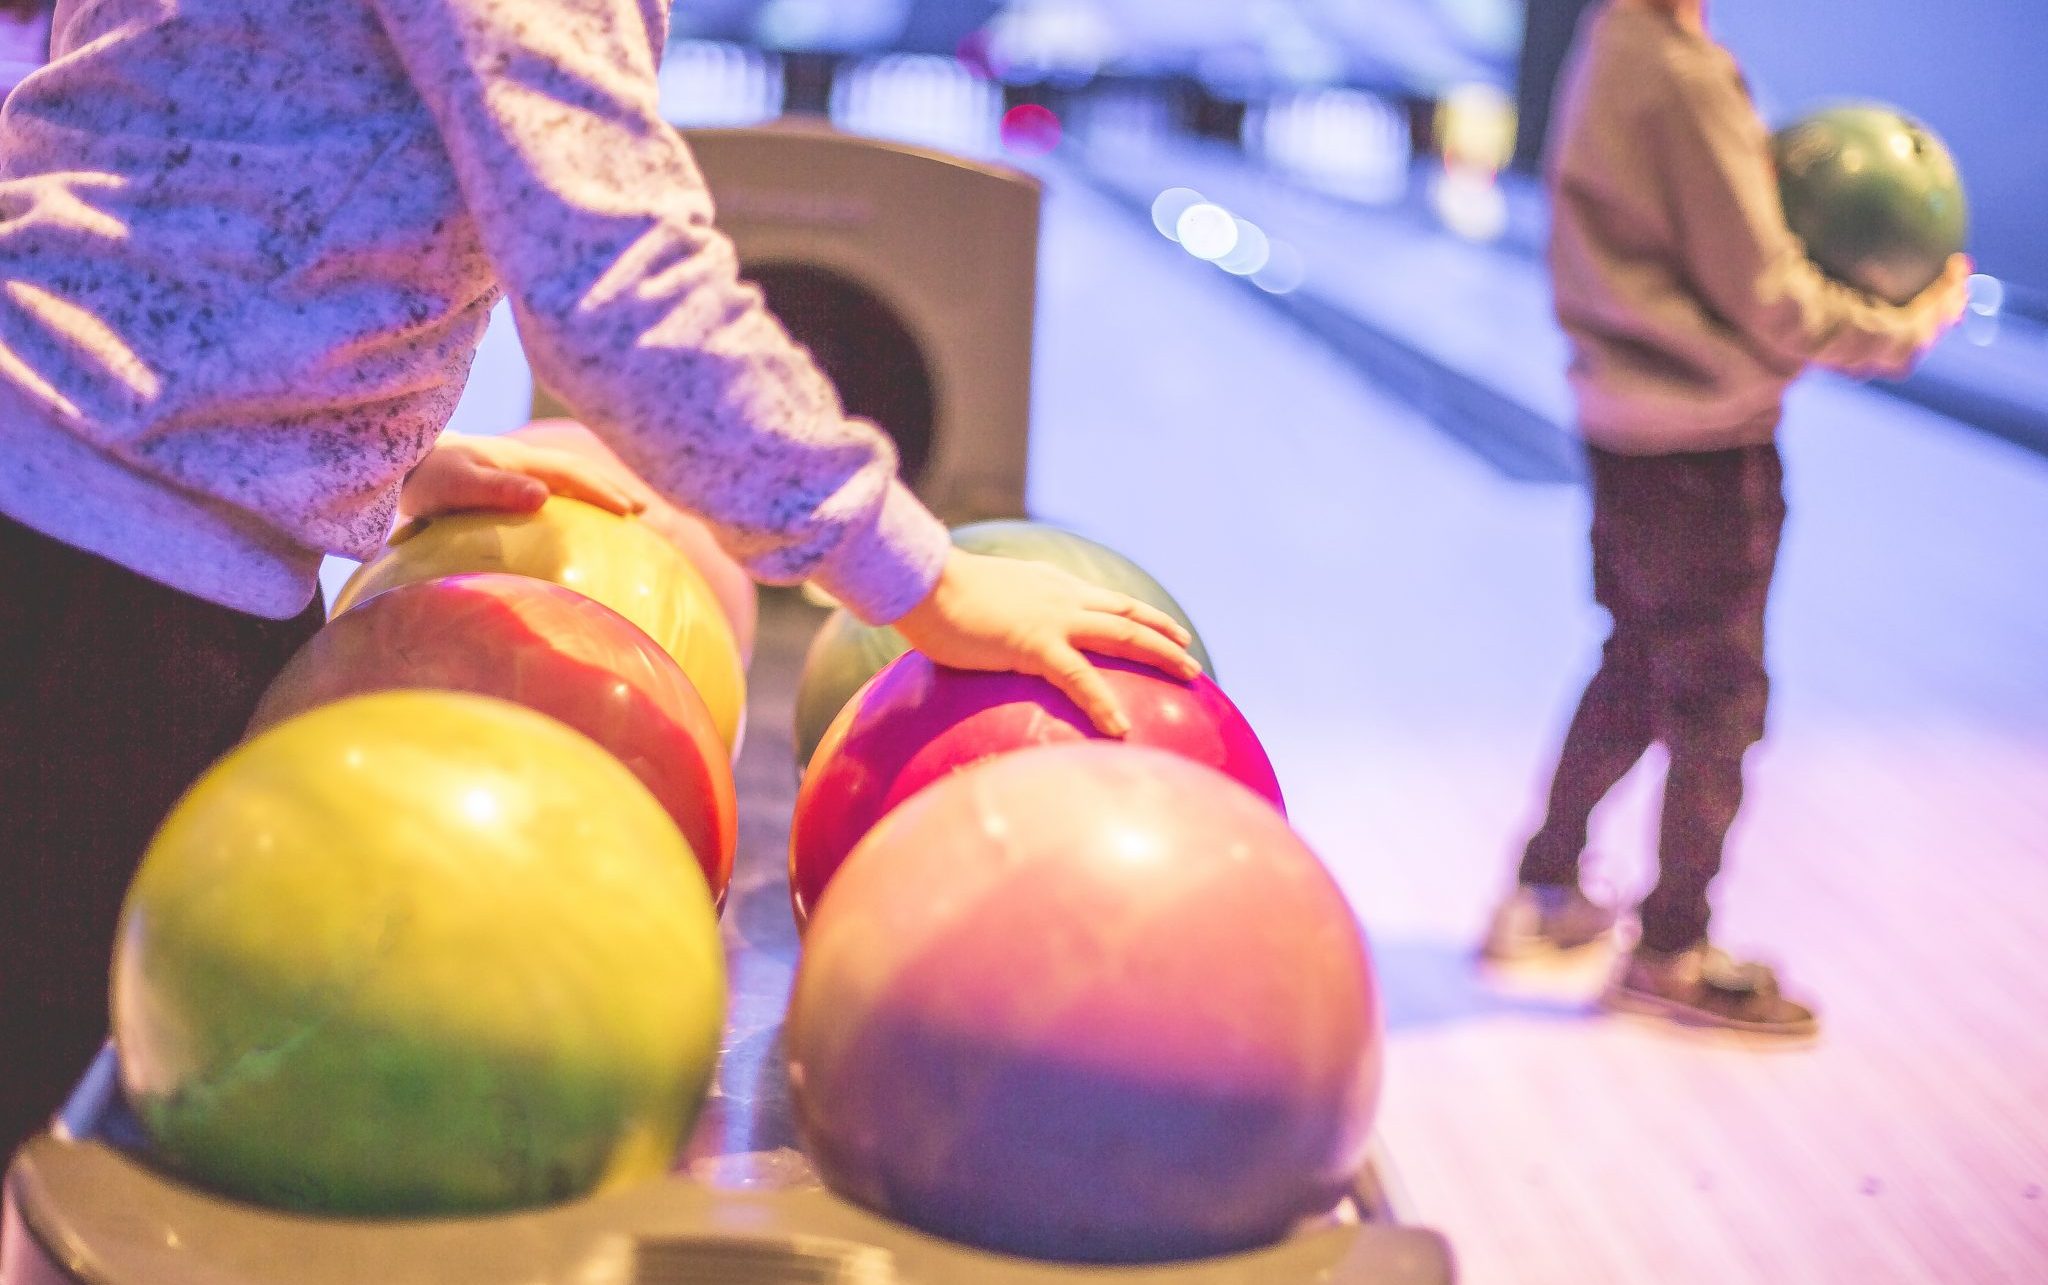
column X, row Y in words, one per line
column 1940, row 306
column 1010, row 614
column 511, row 476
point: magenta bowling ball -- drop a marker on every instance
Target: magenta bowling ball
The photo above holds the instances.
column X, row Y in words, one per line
column 916, row 722
column 1088, row 1002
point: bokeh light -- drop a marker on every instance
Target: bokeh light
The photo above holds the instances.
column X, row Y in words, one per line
column 1982, row 317
column 1475, row 127
column 1346, row 141
column 918, row 98
column 1470, row 204
column 1031, row 129
column 1169, row 205
column 1207, row 231
column 1285, row 269
column 1986, row 294
column 1250, row 253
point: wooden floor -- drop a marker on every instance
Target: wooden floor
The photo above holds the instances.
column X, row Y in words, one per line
column 1408, row 630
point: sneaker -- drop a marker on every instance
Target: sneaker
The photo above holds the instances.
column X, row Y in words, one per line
column 1545, row 920
column 1705, row 987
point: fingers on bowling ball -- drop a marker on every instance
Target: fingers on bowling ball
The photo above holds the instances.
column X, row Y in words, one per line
column 916, row 722
column 1091, row 561
column 846, row 653
column 615, row 559
column 690, row 534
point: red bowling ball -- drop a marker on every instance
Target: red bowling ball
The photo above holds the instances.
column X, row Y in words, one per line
column 547, row 648
column 1087, row 1002
column 916, row 722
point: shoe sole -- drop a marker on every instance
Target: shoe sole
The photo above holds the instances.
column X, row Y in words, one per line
column 1670, row 1013
column 1544, row 949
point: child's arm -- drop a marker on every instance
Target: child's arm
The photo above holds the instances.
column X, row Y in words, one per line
column 628, row 301
column 1747, row 264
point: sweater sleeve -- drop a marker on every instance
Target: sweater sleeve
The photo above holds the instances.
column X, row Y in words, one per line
column 1740, row 254
column 629, row 302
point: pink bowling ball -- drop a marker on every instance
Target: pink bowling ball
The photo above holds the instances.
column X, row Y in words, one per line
column 1087, row 1002
column 916, row 722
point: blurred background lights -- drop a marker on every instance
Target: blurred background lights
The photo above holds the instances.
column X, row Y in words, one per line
column 1987, row 295
column 1294, row 49
column 1475, row 136
column 845, row 25
column 1285, row 269
column 1169, row 205
column 1207, row 231
column 1986, row 305
column 1249, row 254
column 1345, row 141
column 1475, row 128
column 1470, row 204
column 918, row 98
column 709, row 82
column 1031, row 129
column 1062, row 41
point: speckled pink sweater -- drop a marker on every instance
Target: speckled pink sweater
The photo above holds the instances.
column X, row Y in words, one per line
column 248, row 247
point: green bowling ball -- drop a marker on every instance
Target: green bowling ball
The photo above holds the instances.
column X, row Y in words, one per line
column 1874, row 195
column 418, row 953
column 845, row 654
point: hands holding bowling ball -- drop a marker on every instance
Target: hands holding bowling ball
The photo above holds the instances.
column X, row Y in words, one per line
column 507, row 474
column 1875, row 197
column 1940, row 306
column 991, row 613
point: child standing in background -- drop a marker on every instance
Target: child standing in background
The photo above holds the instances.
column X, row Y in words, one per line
column 1690, row 308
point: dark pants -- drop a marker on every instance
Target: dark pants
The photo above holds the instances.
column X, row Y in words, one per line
column 115, row 694
column 1683, row 550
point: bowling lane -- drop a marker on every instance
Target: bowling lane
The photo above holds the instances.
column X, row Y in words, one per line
column 1464, row 308
column 1407, row 628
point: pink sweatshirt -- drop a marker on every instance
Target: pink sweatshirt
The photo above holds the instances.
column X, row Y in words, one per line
column 250, row 246
column 1689, row 304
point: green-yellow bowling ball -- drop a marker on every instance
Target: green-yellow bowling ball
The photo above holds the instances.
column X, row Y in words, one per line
column 416, row 953
column 1874, row 195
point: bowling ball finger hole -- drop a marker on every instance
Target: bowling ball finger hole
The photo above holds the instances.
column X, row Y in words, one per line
column 749, row 1260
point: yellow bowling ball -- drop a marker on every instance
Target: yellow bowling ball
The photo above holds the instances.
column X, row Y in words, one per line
column 616, row 560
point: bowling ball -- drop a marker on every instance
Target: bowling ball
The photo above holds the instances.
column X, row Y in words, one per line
column 846, row 653
column 619, row 561
column 681, row 528
column 417, row 953
column 550, row 649
column 1087, row 1002
column 917, row 722
column 1875, row 196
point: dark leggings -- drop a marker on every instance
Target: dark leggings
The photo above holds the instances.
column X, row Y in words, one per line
column 115, row 694
column 1683, row 551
